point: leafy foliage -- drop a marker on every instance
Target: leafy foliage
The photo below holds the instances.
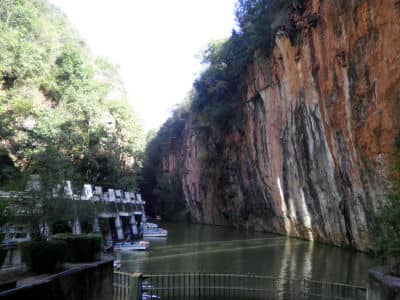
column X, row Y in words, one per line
column 63, row 114
column 387, row 222
column 259, row 19
column 217, row 91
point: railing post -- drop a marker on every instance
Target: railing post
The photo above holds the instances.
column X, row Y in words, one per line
column 135, row 288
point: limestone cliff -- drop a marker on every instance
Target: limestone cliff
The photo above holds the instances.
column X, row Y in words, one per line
column 320, row 120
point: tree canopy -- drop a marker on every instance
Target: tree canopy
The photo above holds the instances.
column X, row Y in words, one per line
column 63, row 113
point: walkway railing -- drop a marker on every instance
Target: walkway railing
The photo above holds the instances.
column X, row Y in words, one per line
column 231, row 286
column 126, row 286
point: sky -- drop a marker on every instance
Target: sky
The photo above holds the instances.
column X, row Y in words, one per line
column 154, row 42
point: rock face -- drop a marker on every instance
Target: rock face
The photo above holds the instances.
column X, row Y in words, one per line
column 320, row 121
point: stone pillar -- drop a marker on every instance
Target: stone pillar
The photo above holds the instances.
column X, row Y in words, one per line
column 132, row 200
column 133, row 225
column 87, row 193
column 45, row 229
column 108, row 237
column 76, row 227
column 68, row 189
column 127, row 197
column 96, row 226
column 111, row 195
column 98, row 193
column 118, row 227
column 118, row 195
column 141, row 206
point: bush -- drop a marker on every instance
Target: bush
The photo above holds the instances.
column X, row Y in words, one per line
column 43, row 256
column 259, row 19
column 387, row 221
column 80, row 248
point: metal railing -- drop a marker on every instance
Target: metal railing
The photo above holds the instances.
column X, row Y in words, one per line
column 125, row 286
column 234, row 286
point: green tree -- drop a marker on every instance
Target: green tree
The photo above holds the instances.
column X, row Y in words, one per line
column 387, row 222
column 57, row 101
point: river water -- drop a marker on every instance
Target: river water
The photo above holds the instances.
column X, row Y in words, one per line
column 199, row 248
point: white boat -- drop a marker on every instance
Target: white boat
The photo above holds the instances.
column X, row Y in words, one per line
column 136, row 246
column 150, row 225
column 146, row 296
column 117, row 265
column 152, row 230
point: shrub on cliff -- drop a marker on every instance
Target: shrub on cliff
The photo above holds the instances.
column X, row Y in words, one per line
column 217, row 89
column 259, row 19
column 387, row 223
column 80, row 248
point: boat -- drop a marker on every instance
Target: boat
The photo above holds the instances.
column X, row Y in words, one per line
column 146, row 285
column 152, row 230
column 150, row 225
column 156, row 232
column 146, row 296
column 135, row 246
column 108, row 248
column 117, row 265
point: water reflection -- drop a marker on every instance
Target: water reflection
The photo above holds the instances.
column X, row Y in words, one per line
column 195, row 248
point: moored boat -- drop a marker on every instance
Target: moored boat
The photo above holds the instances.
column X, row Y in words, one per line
column 117, row 265
column 152, row 230
column 135, row 246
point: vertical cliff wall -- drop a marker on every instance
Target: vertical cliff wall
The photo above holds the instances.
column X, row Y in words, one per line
column 320, row 119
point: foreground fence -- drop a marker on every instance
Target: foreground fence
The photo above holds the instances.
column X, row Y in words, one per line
column 228, row 286
column 126, row 286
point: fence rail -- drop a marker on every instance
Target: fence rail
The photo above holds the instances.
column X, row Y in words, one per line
column 125, row 286
column 176, row 286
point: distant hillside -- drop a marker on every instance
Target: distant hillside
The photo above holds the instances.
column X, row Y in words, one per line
column 63, row 113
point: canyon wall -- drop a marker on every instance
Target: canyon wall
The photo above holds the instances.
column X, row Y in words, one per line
column 320, row 122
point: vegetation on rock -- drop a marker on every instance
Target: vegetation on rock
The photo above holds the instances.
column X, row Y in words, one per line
column 387, row 222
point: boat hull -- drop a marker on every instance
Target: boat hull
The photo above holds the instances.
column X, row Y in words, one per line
column 131, row 247
column 155, row 234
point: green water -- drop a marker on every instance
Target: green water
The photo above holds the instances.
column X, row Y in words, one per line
column 198, row 248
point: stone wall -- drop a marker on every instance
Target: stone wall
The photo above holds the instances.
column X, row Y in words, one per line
column 382, row 286
column 91, row 281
